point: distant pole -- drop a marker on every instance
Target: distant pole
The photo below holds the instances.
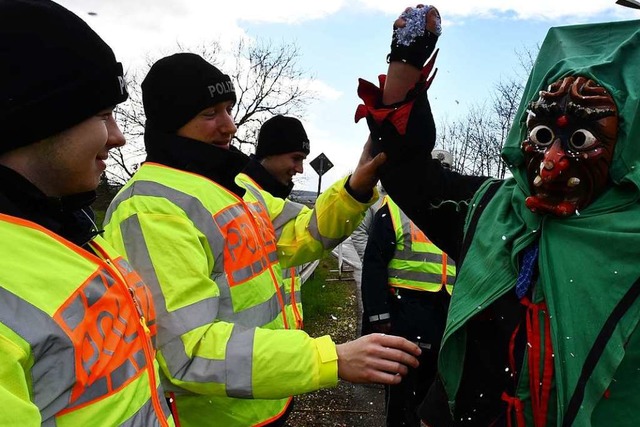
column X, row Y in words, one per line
column 320, row 172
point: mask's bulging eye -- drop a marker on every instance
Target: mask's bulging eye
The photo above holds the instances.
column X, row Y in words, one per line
column 582, row 139
column 541, row 135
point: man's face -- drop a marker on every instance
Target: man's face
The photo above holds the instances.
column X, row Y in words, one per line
column 573, row 128
column 72, row 161
column 285, row 166
column 213, row 125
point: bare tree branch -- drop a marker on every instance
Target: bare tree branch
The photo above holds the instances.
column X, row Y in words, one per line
column 268, row 81
column 476, row 140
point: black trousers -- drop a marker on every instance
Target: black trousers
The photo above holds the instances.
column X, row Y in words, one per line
column 419, row 317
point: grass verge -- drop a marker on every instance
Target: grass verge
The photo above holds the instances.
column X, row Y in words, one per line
column 326, row 304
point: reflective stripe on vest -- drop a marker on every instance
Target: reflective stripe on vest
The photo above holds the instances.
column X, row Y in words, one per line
column 290, row 211
column 87, row 339
column 242, row 241
column 291, row 280
column 417, row 263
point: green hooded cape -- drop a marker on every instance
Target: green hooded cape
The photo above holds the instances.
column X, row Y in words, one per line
column 588, row 261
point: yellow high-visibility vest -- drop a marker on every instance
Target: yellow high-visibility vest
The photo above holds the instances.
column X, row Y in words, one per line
column 417, row 263
column 292, row 283
column 214, row 262
column 291, row 280
column 76, row 332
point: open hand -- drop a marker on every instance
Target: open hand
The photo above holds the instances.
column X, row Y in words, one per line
column 365, row 176
column 376, row 358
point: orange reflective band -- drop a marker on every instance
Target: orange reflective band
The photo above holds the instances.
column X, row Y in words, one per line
column 417, row 236
column 444, row 269
column 102, row 325
column 294, row 302
column 246, row 253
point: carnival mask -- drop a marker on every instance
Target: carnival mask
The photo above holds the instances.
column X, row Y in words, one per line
column 573, row 127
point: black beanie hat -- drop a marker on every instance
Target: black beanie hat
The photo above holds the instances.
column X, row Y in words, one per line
column 55, row 72
column 281, row 134
column 179, row 86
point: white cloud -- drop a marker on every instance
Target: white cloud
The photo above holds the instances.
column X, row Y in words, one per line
column 323, row 90
column 339, row 139
column 539, row 9
column 135, row 28
column 284, row 11
column 138, row 28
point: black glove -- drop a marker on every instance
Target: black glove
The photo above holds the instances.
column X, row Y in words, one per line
column 419, row 132
column 414, row 43
column 406, row 123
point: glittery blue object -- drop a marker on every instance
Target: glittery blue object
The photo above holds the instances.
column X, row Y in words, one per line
column 415, row 25
column 527, row 267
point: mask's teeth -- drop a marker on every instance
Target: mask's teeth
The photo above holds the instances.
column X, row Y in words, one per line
column 573, row 182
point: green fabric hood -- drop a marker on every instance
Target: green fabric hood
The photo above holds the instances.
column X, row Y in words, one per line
column 607, row 53
column 587, row 261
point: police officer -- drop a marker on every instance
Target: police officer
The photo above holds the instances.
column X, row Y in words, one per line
column 76, row 322
column 406, row 284
column 282, row 147
column 212, row 250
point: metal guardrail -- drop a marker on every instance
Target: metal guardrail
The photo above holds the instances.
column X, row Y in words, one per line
column 307, row 270
column 345, row 269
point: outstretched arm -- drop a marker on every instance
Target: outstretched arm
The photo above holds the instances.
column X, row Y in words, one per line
column 403, row 72
column 376, row 358
column 401, row 123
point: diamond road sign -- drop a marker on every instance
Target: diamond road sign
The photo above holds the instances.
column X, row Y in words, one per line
column 321, row 164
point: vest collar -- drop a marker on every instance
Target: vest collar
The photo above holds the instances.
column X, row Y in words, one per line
column 218, row 164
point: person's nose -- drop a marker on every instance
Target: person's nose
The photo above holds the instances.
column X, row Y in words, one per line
column 229, row 126
column 115, row 137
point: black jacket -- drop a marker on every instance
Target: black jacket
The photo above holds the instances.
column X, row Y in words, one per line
column 69, row 216
column 434, row 198
column 381, row 246
column 264, row 179
column 437, row 201
column 217, row 164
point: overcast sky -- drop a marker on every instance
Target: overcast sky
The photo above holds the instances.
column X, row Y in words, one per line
column 343, row 40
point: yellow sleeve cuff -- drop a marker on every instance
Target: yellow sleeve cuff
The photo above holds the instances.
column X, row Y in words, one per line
column 341, row 187
column 328, row 364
